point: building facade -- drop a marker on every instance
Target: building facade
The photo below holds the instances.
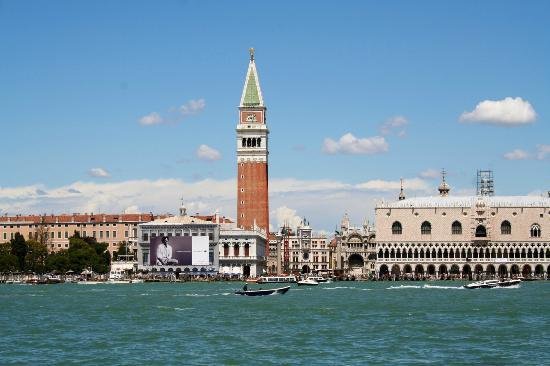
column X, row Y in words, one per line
column 252, row 155
column 185, row 235
column 463, row 237
column 299, row 251
column 242, row 252
column 354, row 250
column 55, row 230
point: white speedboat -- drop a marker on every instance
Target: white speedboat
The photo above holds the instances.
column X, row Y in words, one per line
column 308, row 282
column 319, row 279
column 508, row 283
column 482, row 284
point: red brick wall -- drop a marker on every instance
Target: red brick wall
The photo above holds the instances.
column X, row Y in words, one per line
column 252, row 195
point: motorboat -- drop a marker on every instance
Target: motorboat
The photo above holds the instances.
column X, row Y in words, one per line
column 509, row 282
column 482, row 284
column 493, row 283
column 319, row 279
column 308, row 282
column 260, row 292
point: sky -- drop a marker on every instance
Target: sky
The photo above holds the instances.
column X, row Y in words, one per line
column 131, row 106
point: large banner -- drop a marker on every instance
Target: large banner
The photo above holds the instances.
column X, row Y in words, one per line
column 179, row 251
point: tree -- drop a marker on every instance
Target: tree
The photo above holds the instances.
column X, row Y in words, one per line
column 58, row 261
column 19, row 249
column 8, row 261
column 42, row 234
column 35, row 259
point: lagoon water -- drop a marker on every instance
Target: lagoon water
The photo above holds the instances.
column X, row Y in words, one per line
column 335, row 323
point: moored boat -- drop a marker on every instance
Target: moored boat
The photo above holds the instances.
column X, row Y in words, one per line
column 277, row 279
column 260, row 292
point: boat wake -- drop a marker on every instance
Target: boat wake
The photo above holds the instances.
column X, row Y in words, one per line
column 506, row 287
column 425, row 287
column 338, row 288
column 402, row 287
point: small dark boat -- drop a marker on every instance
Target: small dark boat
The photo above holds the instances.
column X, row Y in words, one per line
column 261, row 292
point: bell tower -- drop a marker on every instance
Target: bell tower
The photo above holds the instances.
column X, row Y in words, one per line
column 252, row 153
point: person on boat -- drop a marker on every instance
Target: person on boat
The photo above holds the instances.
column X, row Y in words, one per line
column 164, row 253
column 245, row 287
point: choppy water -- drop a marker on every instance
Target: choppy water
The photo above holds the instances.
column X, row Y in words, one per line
column 338, row 323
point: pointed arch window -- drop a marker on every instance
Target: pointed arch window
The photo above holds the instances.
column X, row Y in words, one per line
column 506, row 228
column 456, row 228
column 426, row 228
column 396, row 228
column 535, row 231
column 481, row 232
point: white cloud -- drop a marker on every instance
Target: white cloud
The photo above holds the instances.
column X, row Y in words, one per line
column 285, row 185
column 322, row 202
column 394, row 123
column 175, row 115
column 205, row 152
column 516, row 154
column 99, row 173
column 543, row 151
column 151, row 119
column 430, row 174
column 286, row 216
column 132, row 209
column 506, row 112
column 349, row 144
column 192, row 107
column 378, row 185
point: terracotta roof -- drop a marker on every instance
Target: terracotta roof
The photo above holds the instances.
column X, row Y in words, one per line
column 80, row 218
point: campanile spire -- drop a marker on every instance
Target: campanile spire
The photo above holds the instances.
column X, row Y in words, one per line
column 252, row 154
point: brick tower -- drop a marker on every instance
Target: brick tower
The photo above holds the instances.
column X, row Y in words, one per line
column 252, row 152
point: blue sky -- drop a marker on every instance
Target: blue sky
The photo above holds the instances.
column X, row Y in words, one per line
column 76, row 78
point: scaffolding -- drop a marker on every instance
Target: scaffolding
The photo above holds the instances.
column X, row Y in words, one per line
column 485, row 183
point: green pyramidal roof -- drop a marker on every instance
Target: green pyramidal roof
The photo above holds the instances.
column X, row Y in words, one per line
column 252, row 94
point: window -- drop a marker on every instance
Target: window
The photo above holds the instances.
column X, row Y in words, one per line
column 505, row 228
column 244, row 142
column 114, row 234
column 84, row 233
column 426, row 228
column 107, row 234
column 535, row 231
column 66, row 234
column 145, row 237
column 59, row 234
column 126, row 233
column 456, row 228
column 481, row 231
column 101, row 234
column 396, row 228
